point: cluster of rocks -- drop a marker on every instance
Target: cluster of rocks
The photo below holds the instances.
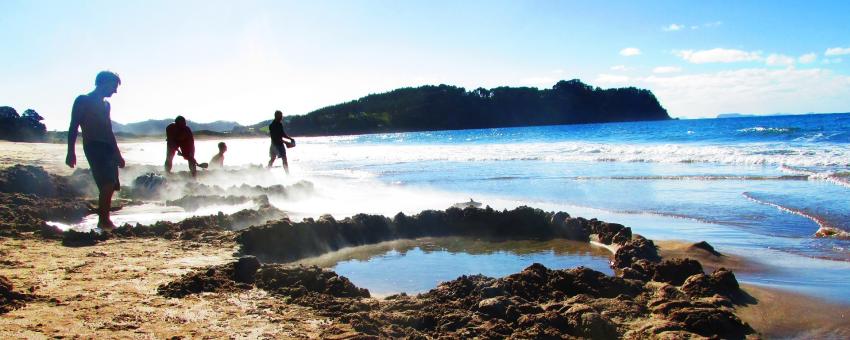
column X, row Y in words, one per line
column 286, row 240
column 648, row 296
column 11, row 299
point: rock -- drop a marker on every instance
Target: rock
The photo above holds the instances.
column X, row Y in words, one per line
column 246, row 268
column 587, row 322
column 711, row 322
column 721, row 281
column 706, row 247
column 638, row 248
column 494, row 307
column 73, row 238
column 611, row 232
column 212, row 279
column 676, row 271
column 576, row 228
column 149, row 185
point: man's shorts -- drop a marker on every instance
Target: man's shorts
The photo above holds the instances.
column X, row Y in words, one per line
column 277, row 151
column 103, row 163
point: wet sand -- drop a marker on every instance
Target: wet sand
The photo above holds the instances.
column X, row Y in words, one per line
column 777, row 313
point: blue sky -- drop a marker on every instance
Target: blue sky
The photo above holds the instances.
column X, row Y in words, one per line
column 212, row 60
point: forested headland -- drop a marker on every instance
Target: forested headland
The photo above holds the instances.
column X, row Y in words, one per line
column 446, row 107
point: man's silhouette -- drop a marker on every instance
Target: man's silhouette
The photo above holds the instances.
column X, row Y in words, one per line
column 277, row 135
column 91, row 114
column 178, row 136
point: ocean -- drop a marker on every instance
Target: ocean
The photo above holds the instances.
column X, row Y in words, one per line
column 759, row 187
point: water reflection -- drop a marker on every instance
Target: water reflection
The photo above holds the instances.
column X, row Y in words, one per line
column 415, row 266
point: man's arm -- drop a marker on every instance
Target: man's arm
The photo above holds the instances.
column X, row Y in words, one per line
column 71, row 157
column 114, row 141
column 283, row 133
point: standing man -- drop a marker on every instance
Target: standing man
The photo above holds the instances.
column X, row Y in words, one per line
column 178, row 135
column 91, row 114
column 277, row 134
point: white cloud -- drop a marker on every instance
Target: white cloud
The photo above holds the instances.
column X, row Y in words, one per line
column 673, row 27
column 832, row 61
column 779, row 60
column 834, row 51
column 807, row 58
column 630, row 51
column 712, row 24
column 612, row 79
column 718, row 55
column 619, row 68
column 759, row 90
column 667, row 69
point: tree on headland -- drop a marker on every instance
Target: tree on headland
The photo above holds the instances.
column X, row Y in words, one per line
column 26, row 127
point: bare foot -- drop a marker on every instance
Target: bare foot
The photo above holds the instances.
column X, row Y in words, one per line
column 106, row 226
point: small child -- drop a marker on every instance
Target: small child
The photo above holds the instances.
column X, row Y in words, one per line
column 218, row 160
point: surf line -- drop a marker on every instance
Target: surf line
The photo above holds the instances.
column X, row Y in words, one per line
column 824, row 228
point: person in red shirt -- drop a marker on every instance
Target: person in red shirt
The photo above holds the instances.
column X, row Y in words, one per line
column 179, row 139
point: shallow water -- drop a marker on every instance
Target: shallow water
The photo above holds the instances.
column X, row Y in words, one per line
column 759, row 187
column 416, row 266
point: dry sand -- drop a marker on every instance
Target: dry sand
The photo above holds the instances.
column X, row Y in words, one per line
column 109, row 291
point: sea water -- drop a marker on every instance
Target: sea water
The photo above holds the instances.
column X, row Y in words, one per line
column 759, row 187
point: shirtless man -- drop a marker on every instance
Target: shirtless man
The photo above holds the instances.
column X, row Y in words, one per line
column 91, row 114
column 277, row 135
column 179, row 136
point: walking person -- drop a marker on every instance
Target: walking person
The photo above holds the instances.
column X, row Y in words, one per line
column 277, row 134
column 91, row 114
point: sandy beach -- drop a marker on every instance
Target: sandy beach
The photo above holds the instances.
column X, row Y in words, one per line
column 110, row 289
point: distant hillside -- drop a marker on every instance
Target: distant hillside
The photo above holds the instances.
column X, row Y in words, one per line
column 157, row 127
column 446, row 107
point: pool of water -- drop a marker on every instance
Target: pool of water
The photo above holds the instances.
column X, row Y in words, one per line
column 416, row 266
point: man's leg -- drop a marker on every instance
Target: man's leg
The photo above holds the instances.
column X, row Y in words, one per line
column 193, row 167
column 285, row 164
column 271, row 160
column 104, row 205
column 169, row 157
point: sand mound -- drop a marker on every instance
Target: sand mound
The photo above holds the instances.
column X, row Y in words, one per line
column 9, row 298
column 27, row 179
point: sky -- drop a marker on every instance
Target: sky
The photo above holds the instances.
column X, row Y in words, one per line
column 240, row 61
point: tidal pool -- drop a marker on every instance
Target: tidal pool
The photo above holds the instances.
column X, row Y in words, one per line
column 416, row 266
